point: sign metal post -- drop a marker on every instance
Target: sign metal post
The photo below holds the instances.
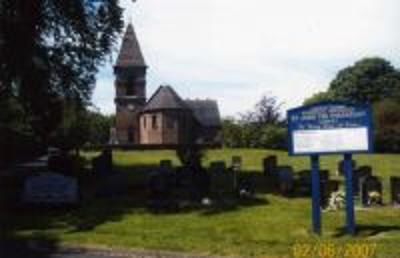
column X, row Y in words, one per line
column 348, row 170
column 316, row 209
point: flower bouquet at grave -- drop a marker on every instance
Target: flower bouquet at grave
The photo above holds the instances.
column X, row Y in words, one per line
column 337, row 201
column 374, row 197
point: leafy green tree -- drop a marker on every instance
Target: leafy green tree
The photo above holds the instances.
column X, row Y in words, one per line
column 261, row 127
column 17, row 140
column 319, row 97
column 387, row 125
column 73, row 132
column 231, row 131
column 50, row 51
column 99, row 127
column 273, row 137
column 367, row 81
column 266, row 111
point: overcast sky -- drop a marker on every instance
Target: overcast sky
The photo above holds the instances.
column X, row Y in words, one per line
column 236, row 51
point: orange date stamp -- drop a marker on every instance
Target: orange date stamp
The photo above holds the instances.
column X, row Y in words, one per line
column 327, row 249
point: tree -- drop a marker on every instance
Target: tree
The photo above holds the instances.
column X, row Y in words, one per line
column 367, row 81
column 231, row 131
column 261, row 127
column 50, row 51
column 266, row 111
column 99, row 127
column 387, row 125
column 318, row 97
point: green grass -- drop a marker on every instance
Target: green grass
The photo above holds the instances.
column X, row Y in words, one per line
column 268, row 228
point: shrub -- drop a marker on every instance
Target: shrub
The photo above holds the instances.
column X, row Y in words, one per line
column 273, row 137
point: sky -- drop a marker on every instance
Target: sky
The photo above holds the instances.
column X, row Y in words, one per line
column 237, row 51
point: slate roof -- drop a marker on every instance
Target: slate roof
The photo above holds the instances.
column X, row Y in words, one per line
column 205, row 111
column 165, row 98
column 130, row 54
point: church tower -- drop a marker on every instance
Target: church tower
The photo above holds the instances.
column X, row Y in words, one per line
column 130, row 87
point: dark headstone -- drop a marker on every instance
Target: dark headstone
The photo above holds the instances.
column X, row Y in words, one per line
column 324, row 175
column 222, row 180
column 327, row 188
column 340, row 169
column 218, row 166
column 102, row 164
column 270, row 164
column 236, row 163
column 201, row 184
column 304, row 182
column 371, row 191
column 161, row 185
column 359, row 175
column 286, row 179
column 166, row 165
column 395, row 190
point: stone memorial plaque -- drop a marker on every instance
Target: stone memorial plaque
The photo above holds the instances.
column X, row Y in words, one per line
column 50, row 188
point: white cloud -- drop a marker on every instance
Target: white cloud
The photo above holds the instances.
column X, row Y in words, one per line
column 234, row 51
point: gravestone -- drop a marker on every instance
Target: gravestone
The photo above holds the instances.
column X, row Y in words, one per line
column 50, row 189
column 340, row 167
column 201, row 184
column 304, row 182
column 166, row 165
column 218, row 166
column 359, row 175
column 102, row 164
column 324, row 175
column 162, row 184
column 395, row 190
column 236, row 167
column 222, row 180
column 327, row 188
column 371, row 191
column 236, row 163
column 270, row 164
column 286, row 179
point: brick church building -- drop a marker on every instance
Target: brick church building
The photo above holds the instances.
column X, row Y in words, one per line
column 163, row 119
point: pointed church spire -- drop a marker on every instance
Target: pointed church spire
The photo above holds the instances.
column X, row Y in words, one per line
column 130, row 54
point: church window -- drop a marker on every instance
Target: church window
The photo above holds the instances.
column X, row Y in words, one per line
column 144, row 122
column 154, row 121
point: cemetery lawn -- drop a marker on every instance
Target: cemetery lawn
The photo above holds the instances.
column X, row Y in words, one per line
column 267, row 227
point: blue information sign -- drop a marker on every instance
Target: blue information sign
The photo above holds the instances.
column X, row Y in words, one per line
column 330, row 127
